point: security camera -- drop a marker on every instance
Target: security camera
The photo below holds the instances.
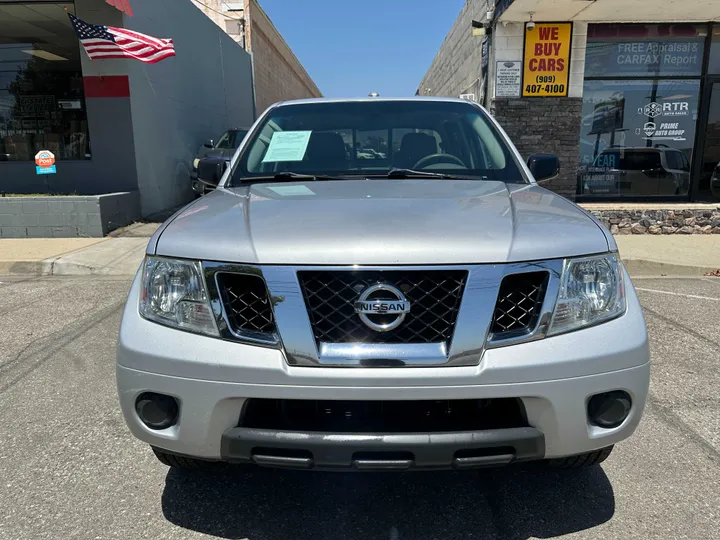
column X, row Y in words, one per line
column 530, row 25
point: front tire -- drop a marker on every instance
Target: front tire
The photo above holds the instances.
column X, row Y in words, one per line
column 582, row 461
column 181, row 462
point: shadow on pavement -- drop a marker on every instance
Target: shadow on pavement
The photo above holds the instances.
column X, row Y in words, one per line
column 515, row 503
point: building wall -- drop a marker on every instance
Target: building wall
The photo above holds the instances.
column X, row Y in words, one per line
column 456, row 68
column 279, row 75
column 178, row 103
column 508, row 42
column 218, row 12
column 213, row 9
column 536, row 125
column 112, row 167
column 545, row 126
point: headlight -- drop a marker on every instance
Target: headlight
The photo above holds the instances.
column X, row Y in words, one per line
column 591, row 291
column 195, row 163
column 173, row 293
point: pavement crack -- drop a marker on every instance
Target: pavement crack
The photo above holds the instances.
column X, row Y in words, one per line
column 676, row 324
column 670, row 418
column 97, row 319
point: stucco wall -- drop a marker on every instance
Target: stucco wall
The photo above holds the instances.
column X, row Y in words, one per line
column 279, row 75
column 179, row 102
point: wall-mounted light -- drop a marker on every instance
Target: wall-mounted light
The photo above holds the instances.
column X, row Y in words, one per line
column 480, row 29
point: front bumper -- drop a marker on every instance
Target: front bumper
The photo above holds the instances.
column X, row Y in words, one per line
column 212, row 379
column 331, row 451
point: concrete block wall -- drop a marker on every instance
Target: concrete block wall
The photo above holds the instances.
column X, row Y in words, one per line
column 456, row 68
column 547, row 126
column 508, row 43
column 536, row 125
column 67, row 217
column 279, row 75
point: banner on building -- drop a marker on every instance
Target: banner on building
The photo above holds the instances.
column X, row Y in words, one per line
column 546, row 62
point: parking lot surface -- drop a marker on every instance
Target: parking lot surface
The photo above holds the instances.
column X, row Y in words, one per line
column 70, row 469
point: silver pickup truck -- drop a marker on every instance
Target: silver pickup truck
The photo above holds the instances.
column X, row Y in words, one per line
column 423, row 306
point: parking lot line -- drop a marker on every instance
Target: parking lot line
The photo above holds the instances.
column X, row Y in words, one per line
column 678, row 294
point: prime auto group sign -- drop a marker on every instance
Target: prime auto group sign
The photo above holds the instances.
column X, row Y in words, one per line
column 547, row 59
column 45, row 162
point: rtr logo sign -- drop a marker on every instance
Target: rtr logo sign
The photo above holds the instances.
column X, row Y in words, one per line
column 670, row 108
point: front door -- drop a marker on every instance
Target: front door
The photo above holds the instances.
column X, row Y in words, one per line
column 708, row 187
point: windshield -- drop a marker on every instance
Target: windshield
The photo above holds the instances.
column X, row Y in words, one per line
column 370, row 138
column 231, row 139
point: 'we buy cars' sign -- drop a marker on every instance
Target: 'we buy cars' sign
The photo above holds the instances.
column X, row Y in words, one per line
column 547, row 59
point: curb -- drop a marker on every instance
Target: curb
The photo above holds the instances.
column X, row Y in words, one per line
column 645, row 267
column 56, row 267
column 53, row 268
column 24, row 268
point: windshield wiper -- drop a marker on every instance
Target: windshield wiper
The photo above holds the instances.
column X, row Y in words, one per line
column 288, row 176
column 410, row 173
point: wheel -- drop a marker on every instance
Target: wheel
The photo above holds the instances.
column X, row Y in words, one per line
column 180, row 462
column 583, row 460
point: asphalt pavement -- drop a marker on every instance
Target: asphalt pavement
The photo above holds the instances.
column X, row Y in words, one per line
column 70, row 469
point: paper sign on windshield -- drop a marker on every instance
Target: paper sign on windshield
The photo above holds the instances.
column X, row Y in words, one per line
column 287, row 146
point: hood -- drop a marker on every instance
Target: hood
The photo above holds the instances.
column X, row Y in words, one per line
column 381, row 222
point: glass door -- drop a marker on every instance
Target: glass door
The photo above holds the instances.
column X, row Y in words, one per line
column 708, row 187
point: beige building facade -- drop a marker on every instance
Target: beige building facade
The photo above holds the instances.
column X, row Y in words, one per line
column 278, row 74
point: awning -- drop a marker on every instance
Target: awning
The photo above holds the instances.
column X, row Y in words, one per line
column 122, row 5
column 613, row 11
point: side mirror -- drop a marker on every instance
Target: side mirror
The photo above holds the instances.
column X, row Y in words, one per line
column 209, row 144
column 544, row 167
column 210, row 170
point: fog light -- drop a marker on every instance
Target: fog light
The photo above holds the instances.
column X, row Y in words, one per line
column 609, row 409
column 157, row 411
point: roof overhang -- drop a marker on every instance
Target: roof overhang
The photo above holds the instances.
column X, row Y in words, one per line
column 613, row 11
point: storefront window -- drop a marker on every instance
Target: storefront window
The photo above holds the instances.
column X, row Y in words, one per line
column 638, row 50
column 42, row 105
column 640, row 107
column 714, row 65
column 637, row 137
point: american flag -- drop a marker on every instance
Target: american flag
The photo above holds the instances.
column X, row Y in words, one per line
column 102, row 42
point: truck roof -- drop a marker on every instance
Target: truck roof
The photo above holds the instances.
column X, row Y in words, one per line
column 367, row 98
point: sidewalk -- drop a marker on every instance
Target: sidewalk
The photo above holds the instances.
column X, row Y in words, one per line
column 644, row 255
column 672, row 255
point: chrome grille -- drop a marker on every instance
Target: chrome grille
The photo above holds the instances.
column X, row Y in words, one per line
column 247, row 303
column 434, row 296
column 519, row 302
